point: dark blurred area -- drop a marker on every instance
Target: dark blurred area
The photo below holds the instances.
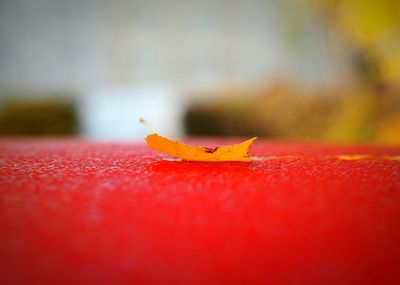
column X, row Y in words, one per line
column 32, row 117
column 290, row 69
column 352, row 113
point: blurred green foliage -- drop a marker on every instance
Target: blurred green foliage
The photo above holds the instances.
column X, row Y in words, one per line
column 37, row 117
column 366, row 109
column 347, row 114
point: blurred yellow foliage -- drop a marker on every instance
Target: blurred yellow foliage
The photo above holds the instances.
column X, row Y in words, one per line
column 372, row 25
column 353, row 112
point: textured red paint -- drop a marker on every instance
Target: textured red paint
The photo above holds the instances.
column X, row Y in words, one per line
column 75, row 212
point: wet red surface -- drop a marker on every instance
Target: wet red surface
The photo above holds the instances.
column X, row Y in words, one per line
column 75, row 212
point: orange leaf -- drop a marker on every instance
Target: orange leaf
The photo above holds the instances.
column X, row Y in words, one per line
column 235, row 152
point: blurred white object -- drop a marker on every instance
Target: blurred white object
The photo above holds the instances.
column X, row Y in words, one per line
column 114, row 112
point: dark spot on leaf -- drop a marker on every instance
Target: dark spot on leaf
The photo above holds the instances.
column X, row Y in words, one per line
column 211, row 149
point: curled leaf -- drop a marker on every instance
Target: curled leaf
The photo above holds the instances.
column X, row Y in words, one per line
column 235, row 152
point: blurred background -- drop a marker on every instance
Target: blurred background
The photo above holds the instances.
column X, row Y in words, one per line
column 285, row 69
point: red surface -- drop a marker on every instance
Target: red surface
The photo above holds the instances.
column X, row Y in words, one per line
column 76, row 212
